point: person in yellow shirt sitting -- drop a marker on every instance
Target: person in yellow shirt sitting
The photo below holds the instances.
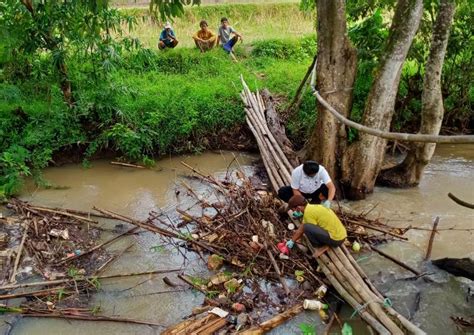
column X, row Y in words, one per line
column 204, row 38
column 320, row 224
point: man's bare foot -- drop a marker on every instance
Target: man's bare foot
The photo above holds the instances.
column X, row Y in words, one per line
column 319, row 251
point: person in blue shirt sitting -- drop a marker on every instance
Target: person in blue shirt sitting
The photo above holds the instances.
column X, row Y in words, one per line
column 167, row 38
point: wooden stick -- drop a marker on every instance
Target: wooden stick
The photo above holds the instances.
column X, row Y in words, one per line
column 68, row 280
column 432, row 236
column 274, row 322
column 19, row 252
column 38, row 293
column 63, row 213
column 111, row 260
column 303, row 82
column 92, row 318
column 396, row 261
column 68, row 259
column 187, row 281
column 277, row 269
column 128, row 165
column 72, row 211
column 377, row 229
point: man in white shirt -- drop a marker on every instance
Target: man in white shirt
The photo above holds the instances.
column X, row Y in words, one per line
column 312, row 181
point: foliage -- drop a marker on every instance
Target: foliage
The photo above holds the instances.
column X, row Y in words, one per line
column 285, row 49
column 307, row 329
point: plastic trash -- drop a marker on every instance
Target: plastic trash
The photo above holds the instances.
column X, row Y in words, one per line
column 283, row 248
column 314, row 305
column 346, row 329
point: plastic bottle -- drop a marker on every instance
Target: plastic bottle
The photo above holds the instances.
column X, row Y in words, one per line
column 314, row 305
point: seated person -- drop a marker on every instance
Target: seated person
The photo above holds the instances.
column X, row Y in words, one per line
column 320, row 224
column 225, row 32
column 312, row 181
column 167, row 38
column 204, row 38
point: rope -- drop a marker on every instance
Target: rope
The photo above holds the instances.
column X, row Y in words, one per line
column 385, row 303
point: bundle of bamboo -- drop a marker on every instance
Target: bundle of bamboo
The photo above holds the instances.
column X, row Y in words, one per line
column 340, row 268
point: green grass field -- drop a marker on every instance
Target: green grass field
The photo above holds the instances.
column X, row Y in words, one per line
column 255, row 22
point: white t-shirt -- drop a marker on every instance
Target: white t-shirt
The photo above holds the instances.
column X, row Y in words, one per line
column 306, row 184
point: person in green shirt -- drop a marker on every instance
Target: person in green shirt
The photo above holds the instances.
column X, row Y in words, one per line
column 320, row 224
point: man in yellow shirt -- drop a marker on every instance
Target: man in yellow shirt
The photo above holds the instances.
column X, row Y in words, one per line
column 320, row 224
column 204, row 38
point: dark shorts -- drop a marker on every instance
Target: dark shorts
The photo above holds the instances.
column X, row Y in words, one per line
column 319, row 237
column 286, row 192
column 230, row 44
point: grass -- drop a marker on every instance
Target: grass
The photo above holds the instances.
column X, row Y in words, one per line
column 255, row 22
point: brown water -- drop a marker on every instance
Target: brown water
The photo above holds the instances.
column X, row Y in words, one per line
column 135, row 192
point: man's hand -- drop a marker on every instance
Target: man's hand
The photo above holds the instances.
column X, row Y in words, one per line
column 326, row 203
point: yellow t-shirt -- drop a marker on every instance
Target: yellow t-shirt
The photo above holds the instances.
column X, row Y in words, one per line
column 205, row 35
column 326, row 219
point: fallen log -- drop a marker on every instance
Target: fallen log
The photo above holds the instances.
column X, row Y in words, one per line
column 463, row 267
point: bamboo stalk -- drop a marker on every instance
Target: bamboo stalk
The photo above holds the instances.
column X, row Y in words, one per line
column 128, row 165
column 92, row 318
column 68, row 280
column 63, row 213
column 377, row 229
column 361, row 272
column 68, row 259
column 19, row 252
column 274, row 322
column 374, row 323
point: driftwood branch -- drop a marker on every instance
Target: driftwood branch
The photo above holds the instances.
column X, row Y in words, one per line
column 391, row 135
column 460, row 202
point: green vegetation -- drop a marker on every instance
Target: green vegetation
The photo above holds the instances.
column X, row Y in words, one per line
column 142, row 103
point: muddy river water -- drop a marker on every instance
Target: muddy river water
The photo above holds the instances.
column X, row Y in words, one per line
column 136, row 192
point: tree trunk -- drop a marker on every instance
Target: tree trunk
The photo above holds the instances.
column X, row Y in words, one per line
column 336, row 71
column 409, row 172
column 363, row 161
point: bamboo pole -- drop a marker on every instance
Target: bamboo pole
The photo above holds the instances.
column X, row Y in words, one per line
column 361, row 272
column 364, row 294
column 274, row 322
column 63, row 213
column 19, row 252
column 374, row 323
column 68, row 280
column 91, row 250
column 378, row 229
column 92, row 318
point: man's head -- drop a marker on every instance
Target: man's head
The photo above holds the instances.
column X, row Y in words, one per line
column 297, row 203
column 203, row 24
column 310, row 168
column 168, row 26
column 224, row 22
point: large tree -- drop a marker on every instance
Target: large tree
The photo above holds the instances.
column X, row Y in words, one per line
column 363, row 161
column 409, row 172
column 336, row 72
